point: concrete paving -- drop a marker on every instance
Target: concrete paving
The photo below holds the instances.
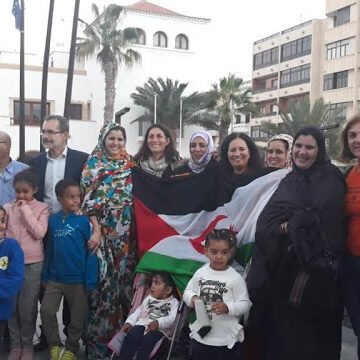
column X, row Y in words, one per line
column 349, row 344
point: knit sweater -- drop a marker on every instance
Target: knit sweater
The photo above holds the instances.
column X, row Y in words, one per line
column 68, row 259
column 11, row 275
column 28, row 225
column 226, row 286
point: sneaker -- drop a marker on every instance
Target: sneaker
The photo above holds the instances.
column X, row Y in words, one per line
column 27, row 354
column 68, row 355
column 15, row 354
column 55, row 352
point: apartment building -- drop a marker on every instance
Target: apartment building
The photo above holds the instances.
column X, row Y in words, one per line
column 318, row 58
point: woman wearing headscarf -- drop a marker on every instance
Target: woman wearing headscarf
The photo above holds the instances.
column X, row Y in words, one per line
column 107, row 189
column 201, row 148
column 293, row 280
column 278, row 151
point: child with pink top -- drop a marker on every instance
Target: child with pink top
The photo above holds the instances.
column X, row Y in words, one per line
column 28, row 221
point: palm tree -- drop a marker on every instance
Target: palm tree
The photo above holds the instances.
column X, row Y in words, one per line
column 300, row 113
column 223, row 98
column 168, row 94
column 111, row 47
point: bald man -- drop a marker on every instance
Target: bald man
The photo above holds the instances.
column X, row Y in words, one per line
column 8, row 169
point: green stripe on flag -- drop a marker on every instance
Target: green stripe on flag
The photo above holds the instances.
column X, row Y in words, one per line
column 244, row 254
column 181, row 269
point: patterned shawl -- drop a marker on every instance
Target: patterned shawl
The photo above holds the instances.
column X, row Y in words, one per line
column 105, row 181
column 199, row 166
column 287, row 138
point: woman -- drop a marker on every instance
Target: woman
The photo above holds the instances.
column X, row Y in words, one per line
column 240, row 163
column 107, row 188
column 201, row 147
column 350, row 149
column 157, row 155
column 293, row 281
column 278, row 151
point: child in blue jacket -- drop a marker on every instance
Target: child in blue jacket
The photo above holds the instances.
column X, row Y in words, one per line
column 11, row 271
column 70, row 270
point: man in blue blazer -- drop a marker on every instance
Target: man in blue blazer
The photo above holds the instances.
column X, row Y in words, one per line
column 57, row 163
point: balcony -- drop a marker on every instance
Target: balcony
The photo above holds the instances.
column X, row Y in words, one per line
column 259, row 91
column 264, row 115
column 243, row 128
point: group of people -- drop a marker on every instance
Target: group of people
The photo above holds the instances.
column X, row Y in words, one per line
column 305, row 264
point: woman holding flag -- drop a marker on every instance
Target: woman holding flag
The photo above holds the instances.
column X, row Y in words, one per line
column 107, row 189
column 294, row 277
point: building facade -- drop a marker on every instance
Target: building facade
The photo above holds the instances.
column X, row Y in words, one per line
column 171, row 45
column 318, row 58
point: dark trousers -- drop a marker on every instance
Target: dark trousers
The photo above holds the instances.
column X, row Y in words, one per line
column 136, row 341
column 206, row 352
column 351, row 277
column 2, row 328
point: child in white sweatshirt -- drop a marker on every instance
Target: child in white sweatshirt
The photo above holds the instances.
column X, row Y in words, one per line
column 223, row 292
column 153, row 319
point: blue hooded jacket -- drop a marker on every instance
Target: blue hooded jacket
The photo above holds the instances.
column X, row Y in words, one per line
column 68, row 259
column 12, row 268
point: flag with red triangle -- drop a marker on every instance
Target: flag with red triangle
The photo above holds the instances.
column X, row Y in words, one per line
column 173, row 218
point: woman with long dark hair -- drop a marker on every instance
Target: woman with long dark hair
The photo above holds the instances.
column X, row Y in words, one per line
column 157, row 155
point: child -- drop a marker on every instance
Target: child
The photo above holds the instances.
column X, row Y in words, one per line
column 11, row 271
column 69, row 270
column 151, row 320
column 27, row 223
column 223, row 292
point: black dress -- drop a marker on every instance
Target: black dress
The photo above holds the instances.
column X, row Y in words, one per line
column 297, row 305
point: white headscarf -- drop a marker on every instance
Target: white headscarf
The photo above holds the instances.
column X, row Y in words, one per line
column 198, row 166
column 287, row 138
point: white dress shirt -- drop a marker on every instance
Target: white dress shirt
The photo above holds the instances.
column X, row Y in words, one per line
column 55, row 171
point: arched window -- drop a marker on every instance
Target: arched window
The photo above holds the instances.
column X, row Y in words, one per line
column 141, row 36
column 181, row 42
column 160, row 39
column 141, row 40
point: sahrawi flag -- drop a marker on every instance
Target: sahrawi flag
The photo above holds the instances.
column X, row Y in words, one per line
column 173, row 219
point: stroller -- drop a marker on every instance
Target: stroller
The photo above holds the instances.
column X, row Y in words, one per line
column 163, row 349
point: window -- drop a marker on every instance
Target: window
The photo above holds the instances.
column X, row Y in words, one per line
column 141, row 37
column 258, row 133
column 75, row 111
column 336, row 80
column 266, row 58
column 32, row 112
column 181, row 42
column 294, row 76
column 342, row 16
column 160, row 39
column 296, row 48
column 338, row 49
column 274, row 83
column 337, row 111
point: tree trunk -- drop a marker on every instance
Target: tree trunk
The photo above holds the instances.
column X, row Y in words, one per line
column 224, row 128
column 110, row 91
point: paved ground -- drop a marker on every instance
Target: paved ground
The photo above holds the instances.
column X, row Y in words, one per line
column 348, row 347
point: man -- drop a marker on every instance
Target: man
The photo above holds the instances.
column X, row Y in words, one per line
column 57, row 163
column 8, row 169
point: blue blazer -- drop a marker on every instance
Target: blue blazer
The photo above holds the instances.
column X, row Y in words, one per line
column 75, row 161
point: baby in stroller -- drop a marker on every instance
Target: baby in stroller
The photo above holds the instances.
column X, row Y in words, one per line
column 153, row 319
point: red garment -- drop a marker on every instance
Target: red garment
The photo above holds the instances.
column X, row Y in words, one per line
column 352, row 206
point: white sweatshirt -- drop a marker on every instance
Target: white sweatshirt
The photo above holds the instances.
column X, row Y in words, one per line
column 164, row 311
column 229, row 287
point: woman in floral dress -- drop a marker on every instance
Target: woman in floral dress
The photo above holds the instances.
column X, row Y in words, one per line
column 107, row 189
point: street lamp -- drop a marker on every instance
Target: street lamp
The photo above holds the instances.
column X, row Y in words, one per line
column 120, row 113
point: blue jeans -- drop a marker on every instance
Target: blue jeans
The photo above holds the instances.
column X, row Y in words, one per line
column 351, row 273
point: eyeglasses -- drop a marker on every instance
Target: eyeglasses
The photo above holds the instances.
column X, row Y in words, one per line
column 50, row 132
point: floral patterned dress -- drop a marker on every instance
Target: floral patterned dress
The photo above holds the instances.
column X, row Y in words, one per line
column 107, row 191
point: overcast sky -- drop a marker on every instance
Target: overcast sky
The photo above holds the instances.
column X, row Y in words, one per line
column 235, row 24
